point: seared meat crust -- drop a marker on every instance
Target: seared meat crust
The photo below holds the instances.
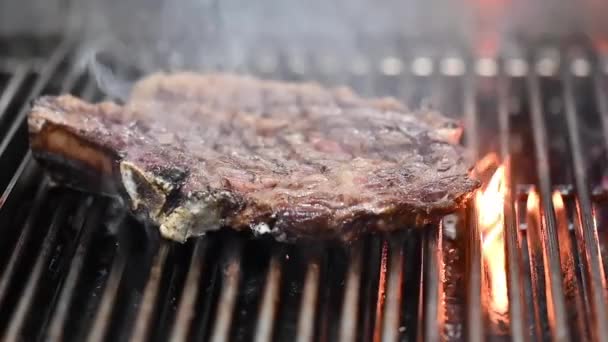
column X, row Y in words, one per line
column 192, row 153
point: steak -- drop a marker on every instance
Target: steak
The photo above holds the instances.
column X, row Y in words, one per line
column 192, row 153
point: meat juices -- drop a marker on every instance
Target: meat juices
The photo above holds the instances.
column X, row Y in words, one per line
column 192, row 153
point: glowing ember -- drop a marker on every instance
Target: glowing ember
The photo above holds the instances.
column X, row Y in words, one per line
column 490, row 203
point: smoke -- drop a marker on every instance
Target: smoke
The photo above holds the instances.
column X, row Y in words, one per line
column 151, row 35
column 144, row 36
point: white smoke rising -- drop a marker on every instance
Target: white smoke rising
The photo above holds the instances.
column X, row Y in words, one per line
column 151, row 35
column 229, row 34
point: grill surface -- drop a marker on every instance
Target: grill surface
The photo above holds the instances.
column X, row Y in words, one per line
column 75, row 266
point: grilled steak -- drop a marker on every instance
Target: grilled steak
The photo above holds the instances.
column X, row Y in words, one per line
column 192, row 153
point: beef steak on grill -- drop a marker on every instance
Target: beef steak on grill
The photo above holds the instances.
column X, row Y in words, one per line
column 192, row 153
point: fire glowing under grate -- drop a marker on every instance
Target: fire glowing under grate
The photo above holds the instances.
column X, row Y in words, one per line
column 525, row 261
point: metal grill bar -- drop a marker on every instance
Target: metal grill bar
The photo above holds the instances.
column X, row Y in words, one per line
column 26, row 299
column 381, row 297
column 573, row 295
column 228, row 296
column 17, row 181
column 16, row 256
column 67, row 292
column 47, row 72
column 549, row 244
column 537, row 268
column 270, row 299
column 429, row 302
column 391, row 317
column 310, row 295
column 602, row 103
column 17, row 78
column 474, row 265
column 102, row 317
column 146, row 310
column 187, row 302
column 599, row 90
column 350, row 305
column 6, row 97
column 586, row 231
column 475, row 331
column 373, row 267
column 516, row 309
column 470, row 115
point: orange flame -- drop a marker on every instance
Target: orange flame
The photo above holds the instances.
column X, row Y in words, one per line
column 558, row 201
column 486, row 163
column 533, row 202
column 490, row 204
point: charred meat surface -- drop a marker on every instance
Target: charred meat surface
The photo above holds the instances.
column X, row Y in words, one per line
column 193, row 153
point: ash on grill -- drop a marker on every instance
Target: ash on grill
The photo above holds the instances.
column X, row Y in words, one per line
column 72, row 267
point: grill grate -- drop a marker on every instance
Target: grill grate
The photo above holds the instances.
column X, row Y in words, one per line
column 74, row 266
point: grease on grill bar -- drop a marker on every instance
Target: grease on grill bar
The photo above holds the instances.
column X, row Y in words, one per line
column 75, row 267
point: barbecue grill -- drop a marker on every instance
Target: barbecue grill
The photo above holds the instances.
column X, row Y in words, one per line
column 74, row 266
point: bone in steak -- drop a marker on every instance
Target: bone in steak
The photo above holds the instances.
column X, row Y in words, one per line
column 192, row 153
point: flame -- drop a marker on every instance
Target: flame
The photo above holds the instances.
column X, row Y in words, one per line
column 533, row 202
column 486, row 163
column 490, row 204
column 490, row 201
column 558, row 201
